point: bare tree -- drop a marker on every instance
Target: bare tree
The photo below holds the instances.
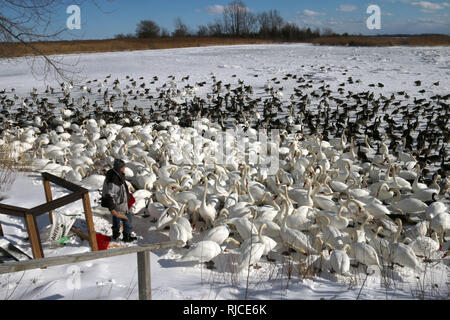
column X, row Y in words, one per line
column 124, row 36
column 147, row 29
column 165, row 33
column 327, row 32
column 264, row 24
column 26, row 22
column 250, row 24
column 216, row 29
column 181, row 29
column 270, row 23
column 202, row 31
column 238, row 20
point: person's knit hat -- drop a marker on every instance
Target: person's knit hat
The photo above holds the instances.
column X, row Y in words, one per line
column 118, row 164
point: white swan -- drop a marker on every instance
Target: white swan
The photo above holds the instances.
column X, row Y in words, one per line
column 155, row 209
column 244, row 227
column 402, row 254
column 381, row 246
column 302, row 197
column 93, row 182
column 203, row 251
column 330, row 234
column 75, row 175
column 434, row 209
column 365, row 254
column 217, row 234
column 337, row 220
column 220, row 192
column 164, row 177
column 267, row 212
column 266, row 215
column 185, row 196
column 384, row 192
column 399, row 182
column 377, row 210
column 56, row 169
column 253, row 249
column 408, row 205
column 403, row 156
column 207, row 212
column 165, row 219
column 145, row 180
column 178, row 230
column 323, row 201
column 441, row 224
column 302, row 219
column 359, row 235
column 295, row 238
column 425, row 246
column 142, row 193
column 39, row 164
column 250, row 254
column 184, row 222
column 233, row 196
column 339, row 261
column 428, row 194
column 337, row 186
column 416, row 186
column 139, row 207
column 269, row 243
column 165, row 198
column 357, row 192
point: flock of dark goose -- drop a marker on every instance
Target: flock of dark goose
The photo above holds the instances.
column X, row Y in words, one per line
column 363, row 177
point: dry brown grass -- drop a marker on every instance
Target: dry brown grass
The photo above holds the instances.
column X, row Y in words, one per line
column 12, row 161
column 10, row 50
column 438, row 40
column 84, row 46
column 7, row 167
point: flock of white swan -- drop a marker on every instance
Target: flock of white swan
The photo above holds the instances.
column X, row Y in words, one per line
column 323, row 203
column 326, row 204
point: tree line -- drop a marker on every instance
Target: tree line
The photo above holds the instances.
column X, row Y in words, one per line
column 236, row 21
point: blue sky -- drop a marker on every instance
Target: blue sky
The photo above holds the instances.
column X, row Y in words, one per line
column 110, row 17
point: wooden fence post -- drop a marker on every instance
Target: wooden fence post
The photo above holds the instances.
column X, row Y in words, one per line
column 89, row 222
column 144, row 277
column 48, row 197
column 35, row 239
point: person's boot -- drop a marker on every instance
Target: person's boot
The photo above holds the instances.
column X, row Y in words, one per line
column 127, row 237
column 115, row 234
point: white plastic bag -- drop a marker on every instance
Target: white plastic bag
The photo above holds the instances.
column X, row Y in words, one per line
column 61, row 225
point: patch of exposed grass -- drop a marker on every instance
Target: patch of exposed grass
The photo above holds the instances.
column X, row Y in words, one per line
column 365, row 41
column 9, row 50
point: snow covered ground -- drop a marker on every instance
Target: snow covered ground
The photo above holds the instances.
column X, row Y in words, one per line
column 397, row 67
column 116, row 278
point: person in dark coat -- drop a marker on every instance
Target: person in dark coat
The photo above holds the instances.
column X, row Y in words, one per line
column 116, row 197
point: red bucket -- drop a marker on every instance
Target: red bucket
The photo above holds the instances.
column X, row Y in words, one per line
column 102, row 241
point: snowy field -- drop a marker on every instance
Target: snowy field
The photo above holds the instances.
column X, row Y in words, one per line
column 397, row 68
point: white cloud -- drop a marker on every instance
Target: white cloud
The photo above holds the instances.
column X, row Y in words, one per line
column 426, row 5
column 311, row 13
column 346, row 8
column 215, row 9
column 403, row 1
column 421, row 25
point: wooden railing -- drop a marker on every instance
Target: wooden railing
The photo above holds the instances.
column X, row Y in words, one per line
column 78, row 193
column 143, row 262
